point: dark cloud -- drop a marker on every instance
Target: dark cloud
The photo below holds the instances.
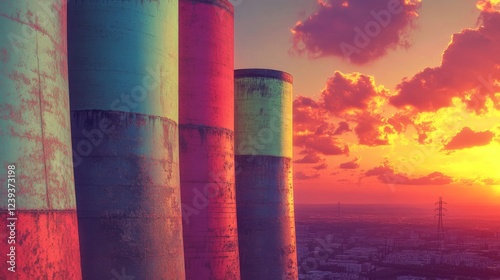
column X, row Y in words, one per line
column 468, row 138
column 342, row 128
column 303, row 176
column 386, row 174
column 379, row 170
column 309, row 157
column 435, row 178
column 325, row 144
column 358, row 30
column 321, row 166
column 353, row 164
column 325, row 129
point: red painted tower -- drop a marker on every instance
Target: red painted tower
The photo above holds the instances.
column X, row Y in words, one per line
column 206, row 125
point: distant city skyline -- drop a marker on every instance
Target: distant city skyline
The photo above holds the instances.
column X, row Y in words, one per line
column 396, row 242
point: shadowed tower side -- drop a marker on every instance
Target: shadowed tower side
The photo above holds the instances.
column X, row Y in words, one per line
column 123, row 68
column 35, row 144
column 206, row 124
column 264, row 186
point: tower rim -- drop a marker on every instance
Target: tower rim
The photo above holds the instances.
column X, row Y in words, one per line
column 263, row 73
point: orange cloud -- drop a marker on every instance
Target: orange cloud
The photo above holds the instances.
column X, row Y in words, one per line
column 488, row 5
column 435, row 178
column 314, row 132
column 468, row 138
column 491, row 181
column 352, row 97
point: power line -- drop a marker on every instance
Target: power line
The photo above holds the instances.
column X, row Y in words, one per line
column 440, row 213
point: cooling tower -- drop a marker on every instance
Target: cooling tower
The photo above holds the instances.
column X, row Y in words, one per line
column 123, row 70
column 39, row 231
column 206, row 120
column 264, row 187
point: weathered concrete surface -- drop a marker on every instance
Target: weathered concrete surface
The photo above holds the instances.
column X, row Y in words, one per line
column 264, row 185
column 263, row 123
column 123, row 69
column 206, row 89
column 128, row 196
column 124, row 56
column 35, row 136
column 206, row 118
column 208, row 197
column 266, row 218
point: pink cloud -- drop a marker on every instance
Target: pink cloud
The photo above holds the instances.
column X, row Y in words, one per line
column 358, row 30
column 345, row 92
column 368, row 131
column 468, row 70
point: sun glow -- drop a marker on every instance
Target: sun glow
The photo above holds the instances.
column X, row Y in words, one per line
column 496, row 190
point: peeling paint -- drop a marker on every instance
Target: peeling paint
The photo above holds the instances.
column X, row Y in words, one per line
column 35, row 136
column 263, row 112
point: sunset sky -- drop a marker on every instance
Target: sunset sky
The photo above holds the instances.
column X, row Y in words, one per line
column 404, row 113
